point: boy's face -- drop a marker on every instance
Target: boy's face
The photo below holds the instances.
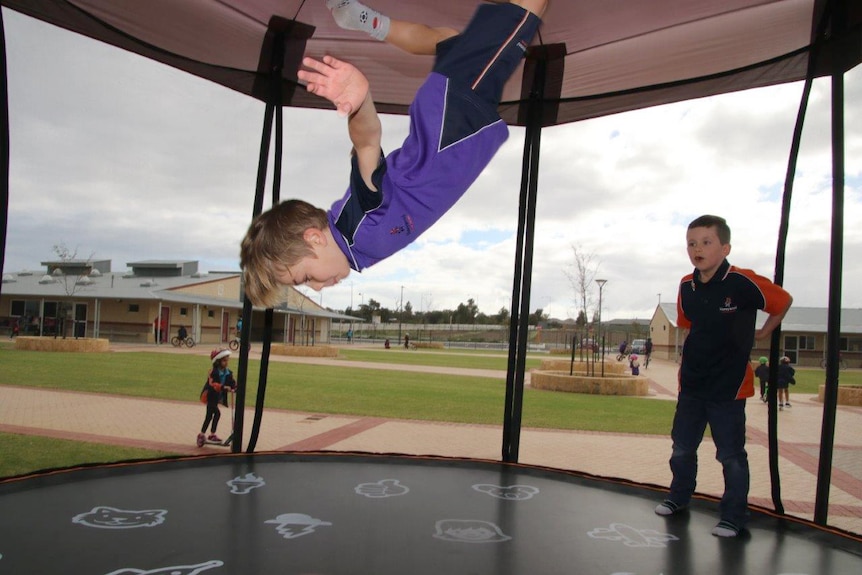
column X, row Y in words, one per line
column 325, row 268
column 705, row 250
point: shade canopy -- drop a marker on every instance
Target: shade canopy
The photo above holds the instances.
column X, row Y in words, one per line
column 618, row 54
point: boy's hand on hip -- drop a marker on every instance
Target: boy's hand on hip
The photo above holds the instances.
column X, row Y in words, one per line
column 337, row 81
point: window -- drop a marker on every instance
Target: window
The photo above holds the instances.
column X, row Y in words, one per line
column 134, row 308
column 210, row 313
column 184, row 311
column 21, row 308
column 851, row 344
column 17, row 307
column 51, row 308
column 806, row 342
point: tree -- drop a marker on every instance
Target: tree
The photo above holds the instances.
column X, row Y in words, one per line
column 538, row 317
column 502, row 316
column 466, row 313
column 581, row 274
column 72, row 282
column 582, row 319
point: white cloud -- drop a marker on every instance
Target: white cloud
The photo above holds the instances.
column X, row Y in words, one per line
column 133, row 160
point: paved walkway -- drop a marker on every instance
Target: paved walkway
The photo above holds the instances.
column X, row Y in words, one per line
column 172, row 426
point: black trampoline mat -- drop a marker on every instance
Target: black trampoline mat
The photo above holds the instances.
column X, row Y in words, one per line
column 279, row 513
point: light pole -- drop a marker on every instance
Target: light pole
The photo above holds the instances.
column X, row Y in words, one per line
column 361, row 303
column 400, row 314
column 659, row 298
column 601, row 285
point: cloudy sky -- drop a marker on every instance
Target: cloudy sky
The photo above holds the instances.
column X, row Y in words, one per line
column 127, row 159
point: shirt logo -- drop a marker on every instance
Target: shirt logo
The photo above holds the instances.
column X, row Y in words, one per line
column 728, row 306
column 407, row 228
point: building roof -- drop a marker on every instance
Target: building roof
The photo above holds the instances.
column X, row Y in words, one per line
column 798, row 319
column 125, row 285
column 120, row 285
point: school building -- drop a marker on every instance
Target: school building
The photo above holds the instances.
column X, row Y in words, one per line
column 148, row 304
column 803, row 335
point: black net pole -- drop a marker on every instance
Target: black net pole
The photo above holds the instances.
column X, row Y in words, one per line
column 537, row 78
column 780, row 257
column 276, row 95
column 781, row 251
column 833, row 330
column 519, row 327
column 4, row 146
column 242, row 369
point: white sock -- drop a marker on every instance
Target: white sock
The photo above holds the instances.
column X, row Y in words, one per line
column 352, row 15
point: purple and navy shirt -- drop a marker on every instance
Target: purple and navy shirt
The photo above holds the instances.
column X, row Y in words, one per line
column 453, row 136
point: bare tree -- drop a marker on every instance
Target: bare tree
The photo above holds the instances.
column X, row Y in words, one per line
column 72, row 282
column 581, row 273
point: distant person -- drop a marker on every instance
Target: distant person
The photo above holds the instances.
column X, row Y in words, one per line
column 15, row 328
column 624, row 345
column 647, row 351
column 391, row 200
column 717, row 303
column 182, row 333
column 406, row 341
column 786, row 378
column 350, row 335
column 762, row 374
column 634, row 364
column 219, row 381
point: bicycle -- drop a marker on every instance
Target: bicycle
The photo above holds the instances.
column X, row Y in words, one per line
column 841, row 363
column 177, row 341
column 234, row 344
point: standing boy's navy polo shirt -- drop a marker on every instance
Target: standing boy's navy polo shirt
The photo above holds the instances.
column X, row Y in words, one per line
column 721, row 315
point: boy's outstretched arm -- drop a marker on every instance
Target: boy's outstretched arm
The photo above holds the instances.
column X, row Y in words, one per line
column 345, row 86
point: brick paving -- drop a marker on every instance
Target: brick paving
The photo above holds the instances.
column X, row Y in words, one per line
column 172, row 426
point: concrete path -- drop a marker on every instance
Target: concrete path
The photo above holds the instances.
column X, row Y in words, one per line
column 172, row 426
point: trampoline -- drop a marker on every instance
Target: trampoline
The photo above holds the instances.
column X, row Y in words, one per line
column 331, row 513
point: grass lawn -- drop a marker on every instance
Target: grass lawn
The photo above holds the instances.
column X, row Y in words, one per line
column 329, row 390
column 809, row 380
column 338, row 390
column 470, row 359
column 28, row 453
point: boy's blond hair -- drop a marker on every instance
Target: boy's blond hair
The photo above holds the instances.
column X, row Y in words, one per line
column 272, row 244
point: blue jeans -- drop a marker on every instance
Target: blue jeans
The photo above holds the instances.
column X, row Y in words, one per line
column 726, row 419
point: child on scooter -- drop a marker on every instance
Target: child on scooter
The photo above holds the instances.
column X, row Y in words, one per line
column 219, row 381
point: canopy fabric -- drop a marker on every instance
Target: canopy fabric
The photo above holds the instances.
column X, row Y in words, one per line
column 619, row 54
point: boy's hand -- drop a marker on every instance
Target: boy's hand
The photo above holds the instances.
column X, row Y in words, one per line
column 339, row 82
